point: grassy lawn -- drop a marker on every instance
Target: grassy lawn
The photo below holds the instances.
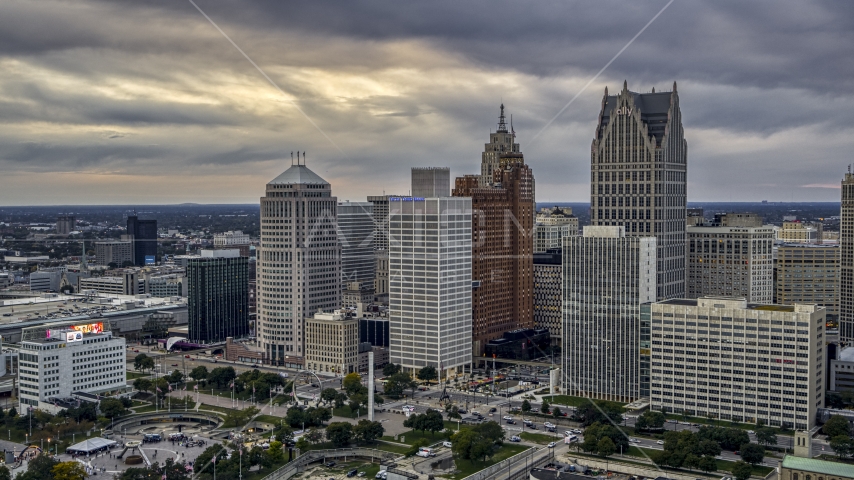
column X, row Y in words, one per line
column 387, row 447
column 569, row 401
column 139, row 403
column 467, row 468
column 214, row 408
column 540, row 438
column 345, row 411
column 269, row 419
column 413, row 436
column 135, row 375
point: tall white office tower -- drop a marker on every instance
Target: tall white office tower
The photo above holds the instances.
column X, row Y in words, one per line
column 638, row 177
column 430, row 282
column 606, row 277
column 356, row 238
column 299, row 261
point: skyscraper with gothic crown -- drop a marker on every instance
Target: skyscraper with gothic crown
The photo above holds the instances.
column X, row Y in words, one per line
column 639, row 166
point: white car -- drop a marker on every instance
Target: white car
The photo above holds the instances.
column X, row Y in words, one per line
column 567, row 433
column 634, row 440
column 508, row 417
column 447, row 444
column 660, row 442
column 751, row 432
column 552, row 445
column 549, row 425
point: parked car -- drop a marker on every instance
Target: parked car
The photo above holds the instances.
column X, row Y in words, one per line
column 549, row 425
column 515, row 438
column 552, row 444
column 330, row 464
column 531, row 426
column 352, row 473
column 660, row 442
column 507, row 417
column 447, row 444
column 493, row 410
column 511, row 422
column 361, row 474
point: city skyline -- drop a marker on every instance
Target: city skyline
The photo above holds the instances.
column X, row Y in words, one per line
column 122, row 104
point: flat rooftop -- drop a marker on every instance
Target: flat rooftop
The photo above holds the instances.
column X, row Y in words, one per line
column 692, row 302
column 69, row 307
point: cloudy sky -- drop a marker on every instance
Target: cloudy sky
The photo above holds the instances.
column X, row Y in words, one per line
column 148, row 103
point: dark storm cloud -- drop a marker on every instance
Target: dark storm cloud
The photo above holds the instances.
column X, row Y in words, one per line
column 151, row 86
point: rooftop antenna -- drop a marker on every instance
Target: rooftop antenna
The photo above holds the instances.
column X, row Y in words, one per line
column 292, row 158
column 512, row 131
column 502, row 127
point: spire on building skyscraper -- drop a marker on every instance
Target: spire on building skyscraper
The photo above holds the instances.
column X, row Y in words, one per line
column 502, row 126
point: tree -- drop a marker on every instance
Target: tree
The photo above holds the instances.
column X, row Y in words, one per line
column 605, row 447
column 836, row 425
column 766, row 436
column 313, row 435
column 453, row 411
column 433, row 421
column 650, row 420
column 842, row 445
column 275, row 454
column 368, row 431
column 752, row 453
column 143, row 362
column 339, row 433
column 556, row 412
column 601, row 411
column 707, row 464
column 5, row 474
column 427, row 374
column 13, row 412
column 545, row 407
column 199, row 373
column 328, row 395
column 302, row 444
column 741, row 470
column 390, row 369
column 222, row 376
column 398, row 383
column 526, row 406
column 68, row 471
column 352, row 383
column 112, row 407
column 40, row 468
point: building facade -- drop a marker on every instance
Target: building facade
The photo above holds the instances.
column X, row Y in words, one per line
column 356, row 238
column 502, row 249
column 552, row 224
column 799, row 232
column 724, row 358
column 501, row 142
column 846, row 261
column 431, row 182
column 298, row 261
column 114, row 252
column 65, row 224
column 799, row 468
column 842, row 371
column 430, row 282
column 230, row 238
column 56, row 363
column 808, row 273
column 217, row 296
column 548, row 280
column 731, row 261
column 606, row 277
column 332, row 343
column 143, row 233
column 638, row 176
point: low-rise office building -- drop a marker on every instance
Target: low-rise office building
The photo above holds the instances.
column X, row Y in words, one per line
column 723, row 357
column 60, row 361
column 552, row 224
column 332, row 343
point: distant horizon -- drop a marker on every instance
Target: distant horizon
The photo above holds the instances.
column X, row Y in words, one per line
column 550, row 202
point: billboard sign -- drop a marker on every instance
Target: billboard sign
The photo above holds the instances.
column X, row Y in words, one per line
column 149, row 259
column 97, row 327
column 73, row 337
